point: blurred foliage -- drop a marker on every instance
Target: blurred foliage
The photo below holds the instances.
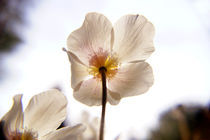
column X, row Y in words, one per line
column 11, row 19
column 183, row 123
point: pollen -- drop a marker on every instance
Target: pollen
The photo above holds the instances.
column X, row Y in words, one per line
column 21, row 136
column 109, row 62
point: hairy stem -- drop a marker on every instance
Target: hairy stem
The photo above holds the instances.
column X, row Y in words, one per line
column 104, row 96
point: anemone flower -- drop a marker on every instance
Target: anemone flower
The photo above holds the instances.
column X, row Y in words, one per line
column 43, row 115
column 120, row 50
column 108, row 63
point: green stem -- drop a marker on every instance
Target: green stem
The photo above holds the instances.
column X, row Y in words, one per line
column 104, row 96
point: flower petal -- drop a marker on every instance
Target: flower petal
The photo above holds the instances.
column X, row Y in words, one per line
column 89, row 92
column 133, row 40
column 78, row 70
column 13, row 120
column 94, row 36
column 65, row 133
column 45, row 112
column 113, row 97
column 132, row 79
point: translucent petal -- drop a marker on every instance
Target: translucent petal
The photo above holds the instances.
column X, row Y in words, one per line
column 45, row 112
column 133, row 38
column 113, row 97
column 132, row 79
column 13, row 120
column 89, row 92
column 94, row 36
column 78, row 70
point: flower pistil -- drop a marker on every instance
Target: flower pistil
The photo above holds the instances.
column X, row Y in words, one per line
column 103, row 60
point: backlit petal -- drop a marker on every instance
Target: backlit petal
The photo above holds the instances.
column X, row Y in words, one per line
column 89, row 92
column 94, row 36
column 13, row 120
column 132, row 79
column 113, row 97
column 65, row 133
column 78, row 70
column 45, row 112
column 133, row 38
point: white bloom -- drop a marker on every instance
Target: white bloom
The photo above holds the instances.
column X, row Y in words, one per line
column 43, row 115
column 92, row 127
column 121, row 50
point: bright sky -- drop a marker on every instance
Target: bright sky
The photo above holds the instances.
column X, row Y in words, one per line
column 180, row 63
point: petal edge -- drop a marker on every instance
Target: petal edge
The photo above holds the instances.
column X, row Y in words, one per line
column 13, row 119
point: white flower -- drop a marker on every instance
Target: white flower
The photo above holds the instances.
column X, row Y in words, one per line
column 43, row 115
column 121, row 50
column 92, row 127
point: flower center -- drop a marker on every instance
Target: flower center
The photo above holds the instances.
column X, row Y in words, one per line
column 103, row 61
column 21, row 136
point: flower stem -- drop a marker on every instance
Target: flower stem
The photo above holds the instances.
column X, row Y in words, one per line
column 104, row 96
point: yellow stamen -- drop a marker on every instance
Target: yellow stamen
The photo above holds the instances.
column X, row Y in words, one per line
column 110, row 63
column 21, row 136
